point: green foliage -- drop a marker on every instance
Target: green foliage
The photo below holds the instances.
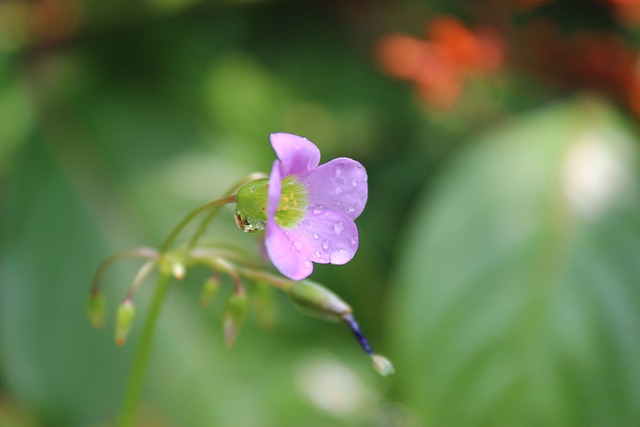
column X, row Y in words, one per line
column 512, row 298
column 517, row 299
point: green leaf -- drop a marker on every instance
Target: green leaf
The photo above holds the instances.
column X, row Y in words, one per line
column 518, row 291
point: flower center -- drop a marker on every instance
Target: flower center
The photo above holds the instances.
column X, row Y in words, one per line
column 293, row 203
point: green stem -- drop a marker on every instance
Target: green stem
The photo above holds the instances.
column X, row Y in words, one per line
column 141, row 358
column 205, row 223
column 187, row 219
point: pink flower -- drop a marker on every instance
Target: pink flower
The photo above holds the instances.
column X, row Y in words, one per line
column 311, row 209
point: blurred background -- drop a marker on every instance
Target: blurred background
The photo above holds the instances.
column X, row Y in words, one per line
column 499, row 251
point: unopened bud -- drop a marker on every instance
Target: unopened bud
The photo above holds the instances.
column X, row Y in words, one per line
column 124, row 320
column 210, row 290
column 316, row 300
column 263, row 305
column 382, row 365
column 235, row 312
column 173, row 263
column 178, row 270
column 96, row 305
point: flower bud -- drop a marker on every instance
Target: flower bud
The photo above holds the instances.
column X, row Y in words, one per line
column 316, row 300
column 262, row 303
column 173, row 263
column 210, row 290
column 96, row 305
column 382, row 365
column 235, row 312
column 251, row 206
column 124, row 320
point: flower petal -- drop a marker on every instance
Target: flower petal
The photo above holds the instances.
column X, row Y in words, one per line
column 284, row 255
column 298, row 155
column 339, row 185
column 329, row 237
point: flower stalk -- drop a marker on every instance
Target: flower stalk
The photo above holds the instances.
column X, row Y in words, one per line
column 307, row 212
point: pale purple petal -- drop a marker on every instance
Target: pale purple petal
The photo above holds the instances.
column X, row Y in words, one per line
column 285, row 254
column 329, row 237
column 298, row 155
column 339, row 185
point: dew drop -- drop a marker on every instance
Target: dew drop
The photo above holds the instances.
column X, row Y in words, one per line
column 315, row 236
column 317, row 209
column 355, row 182
column 297, row 245
column 340, row 256
column 326, row 244
column 318, row 256
column 252, row 189
column 307, row 263
column 338, row 227
column 354, row 241
column 339, row 181
column 339, row 168
column 337, row 203
column 351, row 209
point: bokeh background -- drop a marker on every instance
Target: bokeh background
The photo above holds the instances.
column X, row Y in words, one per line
column 499, row 263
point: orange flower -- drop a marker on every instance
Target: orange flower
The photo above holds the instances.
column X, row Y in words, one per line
column 440, row 65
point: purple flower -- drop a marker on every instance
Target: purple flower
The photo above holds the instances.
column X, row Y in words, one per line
column 311, row 209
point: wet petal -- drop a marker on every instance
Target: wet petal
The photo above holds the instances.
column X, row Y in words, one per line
column 284, row 253
column 339, row 185
column 329, row 237
column 298, row 155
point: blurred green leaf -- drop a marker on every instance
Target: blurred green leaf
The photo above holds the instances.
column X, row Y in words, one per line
column 518, row 300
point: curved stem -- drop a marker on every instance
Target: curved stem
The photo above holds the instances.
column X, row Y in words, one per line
column 205, row 222
column 187, row 219
column 142, row 252
column 141, row 358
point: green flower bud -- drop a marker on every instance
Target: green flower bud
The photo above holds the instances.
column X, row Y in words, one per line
column 96, row 305
column 382, row 365
column 262, row 302
column 173, row 263
column 210, row 290
column 235, row 312
column 251, row 206
column 316, row 300
column 124, row 320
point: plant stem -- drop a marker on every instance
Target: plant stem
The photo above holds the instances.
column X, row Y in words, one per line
column 187, row 219
column 141, row 358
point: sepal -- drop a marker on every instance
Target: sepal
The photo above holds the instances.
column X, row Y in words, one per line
column 124, row 320
column 96, row 305
column 316, row 300
column 235, row 312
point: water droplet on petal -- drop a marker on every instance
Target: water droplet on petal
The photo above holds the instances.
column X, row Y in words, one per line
column 326, row 244
column 338, row 227
column 252, row 189
column 337, row 203
column 297, row 245
column 307, row 263
column 339, row 168
column 355, row 182
column 317, row 209
column 315, row 236
column 351, row 209
column 339, row 256
column 354, row 240
column 339, row 181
